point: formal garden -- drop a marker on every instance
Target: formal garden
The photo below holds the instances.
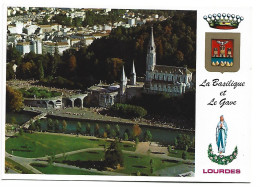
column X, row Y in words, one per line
column 35, row 92
column 85, row 153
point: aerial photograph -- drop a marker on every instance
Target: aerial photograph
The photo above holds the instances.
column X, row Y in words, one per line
column 100, row 91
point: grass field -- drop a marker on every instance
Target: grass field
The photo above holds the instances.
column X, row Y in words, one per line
column 41, row 144
column 50, row 169
column 132, row 162
column 178, row 154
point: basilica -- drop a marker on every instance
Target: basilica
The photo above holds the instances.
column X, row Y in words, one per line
column 165, row 79
column 159, row 79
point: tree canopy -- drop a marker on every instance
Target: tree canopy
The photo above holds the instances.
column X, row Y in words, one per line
column 14, row 100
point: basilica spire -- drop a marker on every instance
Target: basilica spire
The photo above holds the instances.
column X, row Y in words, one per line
column 151, row 45
column 133, row 68
column 123, row 82
column 133, row 75
column 151, row 54
column 123, row 77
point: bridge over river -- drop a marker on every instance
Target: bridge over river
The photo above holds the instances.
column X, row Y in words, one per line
column 27, row 124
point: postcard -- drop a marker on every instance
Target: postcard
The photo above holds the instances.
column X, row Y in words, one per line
column 123, row 93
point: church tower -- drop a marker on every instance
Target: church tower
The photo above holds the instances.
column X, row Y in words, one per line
column 133, row 75
column 151, row 57
column 123, row 82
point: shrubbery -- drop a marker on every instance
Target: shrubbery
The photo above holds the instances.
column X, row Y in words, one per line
column 38, row 93
column 129, row 111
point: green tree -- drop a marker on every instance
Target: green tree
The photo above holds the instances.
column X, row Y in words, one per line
column 40, row 71
column 88, row 129
column 79, row 128
column 21, row 132
column 96, row 131
column 14, row 100
column 125, row 136
column 32, row 127
column 175, row 142
column 50, row 124
column 13, row 120
column 56, row 126
column 183, row 140
column 108, row 130
column 112, row 133
column 117, row 130
column 136, row 140
column 148, row 136
column 114, row 155
column 9, row 71
column 184, row 155
column 38, row 125
column 64, row 126
column 13, row 55
column 45, row 20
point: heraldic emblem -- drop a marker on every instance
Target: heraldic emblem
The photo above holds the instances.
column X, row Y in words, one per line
column 221, row 141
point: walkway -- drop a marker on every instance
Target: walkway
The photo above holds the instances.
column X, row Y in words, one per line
column 27, row 124
column 43, row 160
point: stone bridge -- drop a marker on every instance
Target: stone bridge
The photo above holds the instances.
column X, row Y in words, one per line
column 74, row 100
column 57, row 102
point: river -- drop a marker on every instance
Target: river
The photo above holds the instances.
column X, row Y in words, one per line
column 161, row 135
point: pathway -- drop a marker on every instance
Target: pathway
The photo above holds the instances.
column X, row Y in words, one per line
column 27, row 124
column 142, row 145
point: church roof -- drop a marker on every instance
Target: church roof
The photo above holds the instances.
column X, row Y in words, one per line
column 171, row 69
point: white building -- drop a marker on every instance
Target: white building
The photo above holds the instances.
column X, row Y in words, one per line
column 26, row 47
column 19, row 27
column 23, row 47
column 165, row 79
column 36, row 46
column 131, row 22
column 50, row 47
column 30, row 29
column 88, row 41
column 107, row 99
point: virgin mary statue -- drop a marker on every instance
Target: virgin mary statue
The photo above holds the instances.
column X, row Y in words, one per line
column 221, row 135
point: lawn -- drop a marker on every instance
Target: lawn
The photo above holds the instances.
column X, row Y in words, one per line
column 132, row 162
column 136, row 162
column 178, row 154
column 88, row 155
column 41, row 144
column 50, row 169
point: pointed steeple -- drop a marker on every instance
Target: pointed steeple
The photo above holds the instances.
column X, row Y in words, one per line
column 133, row 75
column 151, row 45
column 123, row 75
column 123, row 82
column 151, row 54
column 133, row 68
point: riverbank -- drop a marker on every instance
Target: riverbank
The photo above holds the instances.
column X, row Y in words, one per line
column 91, row 115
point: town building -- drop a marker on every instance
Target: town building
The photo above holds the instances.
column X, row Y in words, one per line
column 50, row 47
column 23, row 47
